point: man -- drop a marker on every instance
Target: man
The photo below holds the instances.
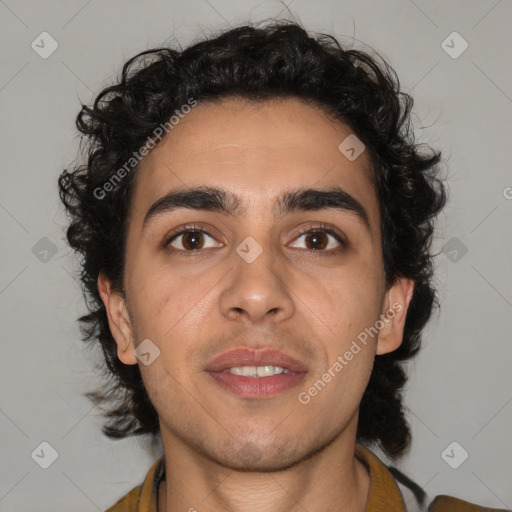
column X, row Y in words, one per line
column 254, row 219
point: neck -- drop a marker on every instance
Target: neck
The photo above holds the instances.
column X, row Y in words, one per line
column 332, row 480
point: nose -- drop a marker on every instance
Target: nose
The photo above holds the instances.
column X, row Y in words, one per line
column 257, row 290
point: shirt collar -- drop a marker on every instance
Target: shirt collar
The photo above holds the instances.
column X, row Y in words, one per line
column 384, row 492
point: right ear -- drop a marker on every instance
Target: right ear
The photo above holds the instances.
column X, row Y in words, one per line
column 118, row 319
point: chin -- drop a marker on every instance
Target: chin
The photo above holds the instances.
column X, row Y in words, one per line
column 262, row 459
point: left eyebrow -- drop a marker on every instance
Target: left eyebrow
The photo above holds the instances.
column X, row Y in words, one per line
column 224, row 201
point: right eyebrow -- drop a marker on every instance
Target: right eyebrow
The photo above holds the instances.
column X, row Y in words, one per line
column 200, row 198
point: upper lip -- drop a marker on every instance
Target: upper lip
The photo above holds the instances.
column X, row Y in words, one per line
column 245, row 356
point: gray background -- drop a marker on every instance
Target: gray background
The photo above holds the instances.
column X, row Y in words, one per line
column 460, row 384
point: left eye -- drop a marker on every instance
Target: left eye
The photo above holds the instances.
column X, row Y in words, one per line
column 319, row 239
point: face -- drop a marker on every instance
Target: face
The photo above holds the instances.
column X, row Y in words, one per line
column 257, row 266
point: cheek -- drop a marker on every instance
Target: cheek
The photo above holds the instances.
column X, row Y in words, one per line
column 350, row 308
column 159, row 305
column 169, row 305
column 345, row 301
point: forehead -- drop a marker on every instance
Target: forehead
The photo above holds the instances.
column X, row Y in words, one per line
column 256, row 151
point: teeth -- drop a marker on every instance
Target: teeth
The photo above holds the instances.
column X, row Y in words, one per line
column 257, row 371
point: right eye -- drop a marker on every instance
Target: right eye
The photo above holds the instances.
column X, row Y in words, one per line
column 190, row 239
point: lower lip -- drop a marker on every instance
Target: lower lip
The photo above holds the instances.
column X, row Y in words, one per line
column 251, row 387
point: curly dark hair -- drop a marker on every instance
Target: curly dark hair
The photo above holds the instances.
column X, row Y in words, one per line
column 277, row 60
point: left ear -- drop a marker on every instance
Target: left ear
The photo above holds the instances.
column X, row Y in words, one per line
column 393, row 315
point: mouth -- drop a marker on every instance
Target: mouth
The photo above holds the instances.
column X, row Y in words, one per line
column 257, row 372
column 252, row 373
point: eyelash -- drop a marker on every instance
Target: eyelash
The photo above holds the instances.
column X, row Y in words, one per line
column 321, row 228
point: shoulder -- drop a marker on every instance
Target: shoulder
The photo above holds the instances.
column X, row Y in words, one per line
column 128, row 503
column 144, row 497
column 416, row 499
column 444, row 503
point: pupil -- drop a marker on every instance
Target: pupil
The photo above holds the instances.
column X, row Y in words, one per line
column 316, row 238
column 192, row 240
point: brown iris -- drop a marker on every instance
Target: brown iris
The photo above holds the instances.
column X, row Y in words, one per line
column 316, row 239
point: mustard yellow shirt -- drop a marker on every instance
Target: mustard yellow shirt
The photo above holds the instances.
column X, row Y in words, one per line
column 384, row 494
